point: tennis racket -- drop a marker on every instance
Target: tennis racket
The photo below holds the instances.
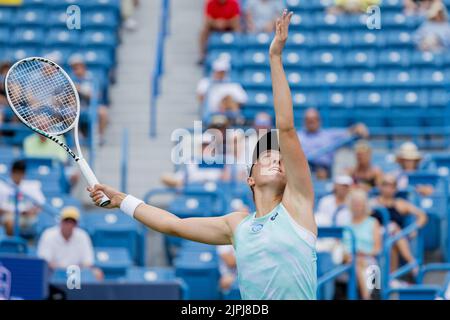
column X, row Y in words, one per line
column 44, row 98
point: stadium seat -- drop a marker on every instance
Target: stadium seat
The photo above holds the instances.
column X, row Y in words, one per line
column 28, row 36
column 144, row 274
column 113, row 261
column 13, row 245
column 200, row 272
column 115, row 230
column 62, row 38
column 30, row 17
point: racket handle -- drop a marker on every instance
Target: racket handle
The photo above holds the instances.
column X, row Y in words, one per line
column 91, row 179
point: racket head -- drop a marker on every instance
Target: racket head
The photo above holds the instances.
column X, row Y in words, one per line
column 42, row 95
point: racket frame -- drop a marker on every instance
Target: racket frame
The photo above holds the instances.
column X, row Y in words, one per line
column 79, row 159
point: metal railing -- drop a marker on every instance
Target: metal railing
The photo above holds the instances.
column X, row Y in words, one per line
column 158, row 68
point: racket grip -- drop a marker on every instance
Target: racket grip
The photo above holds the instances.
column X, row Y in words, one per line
column 91, row 179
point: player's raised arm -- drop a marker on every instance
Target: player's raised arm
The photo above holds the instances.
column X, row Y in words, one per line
column 298, row 196
column 214, row 230
column 299, row 182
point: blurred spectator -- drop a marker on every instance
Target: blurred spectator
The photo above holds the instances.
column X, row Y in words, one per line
column 261, row 14
column 4, row 67
column 368, row 240
column 39, row 146
column 409, row 157
column 128, row 8
column 218, row 93
column 227, row 266
column 314, row 138
column 434, row 34
column 399, row 209
column 236, row 165
column 364, row 174
column 66, row 244
column 199, row 170
column 28, row 209
column 84, row 82
column 220, row 16
column 352, row 6
column 261, row 124
column 417, row 7
column 332, row 209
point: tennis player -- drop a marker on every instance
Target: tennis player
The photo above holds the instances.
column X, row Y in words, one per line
column 275, row 246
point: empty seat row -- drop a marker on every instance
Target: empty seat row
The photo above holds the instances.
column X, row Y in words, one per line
column 378, row 99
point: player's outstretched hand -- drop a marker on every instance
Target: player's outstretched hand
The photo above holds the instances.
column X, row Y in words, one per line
column 96, row 194
column 281, row 34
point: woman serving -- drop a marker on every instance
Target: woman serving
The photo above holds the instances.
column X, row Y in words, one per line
column 275, row 246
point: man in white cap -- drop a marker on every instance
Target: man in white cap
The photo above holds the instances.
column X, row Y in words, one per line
column 218, row 92
column 409, row 157
column 434, row 34
column 332, row 209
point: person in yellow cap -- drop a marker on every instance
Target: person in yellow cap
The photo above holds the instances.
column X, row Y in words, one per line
column 66, row 244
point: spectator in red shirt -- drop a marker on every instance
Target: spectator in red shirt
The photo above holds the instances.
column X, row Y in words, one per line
column 220, row 16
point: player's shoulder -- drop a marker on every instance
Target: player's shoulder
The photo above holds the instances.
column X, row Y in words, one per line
column 236, row 217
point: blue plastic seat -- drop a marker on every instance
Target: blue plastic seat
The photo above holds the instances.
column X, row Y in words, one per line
column 433, row 76
column 255, row 59
column 393, row 58
column 338, row 99
column 417, row 292
column 233, row 55
column 5, row 35
column 62, row 38
column 30, row 17
column 371, row 98
column 20, row 52
column 97, row 58
column 113, row 229
column 154, row 274
column 6, row 16
column 331, row 77
column 28, row 36
column 300, row 39
column 200, row 271
column 191, row 206
column 256, row 79
column 409, row 98
column 13, row 245
column 438, row 98
column 360, row 58
column 259, row 99
column 104, row 19
column 57, row 19
column 298, row 78
column 326, row 58
column 363, row 39
column 332, row 39
column 187, row 245
column 366, row 78
column 428, row 59
column 302, row 21
column 224, row 40
column 113, row 261
column 403, row 77
column 260, row 41
column 399, row 39
column 303, row 98
column 99, row 39
column 295, row 59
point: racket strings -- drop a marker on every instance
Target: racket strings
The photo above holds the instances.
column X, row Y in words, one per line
column 43, row 96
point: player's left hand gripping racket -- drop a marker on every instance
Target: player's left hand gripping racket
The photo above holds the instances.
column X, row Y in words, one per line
column 45, row 99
